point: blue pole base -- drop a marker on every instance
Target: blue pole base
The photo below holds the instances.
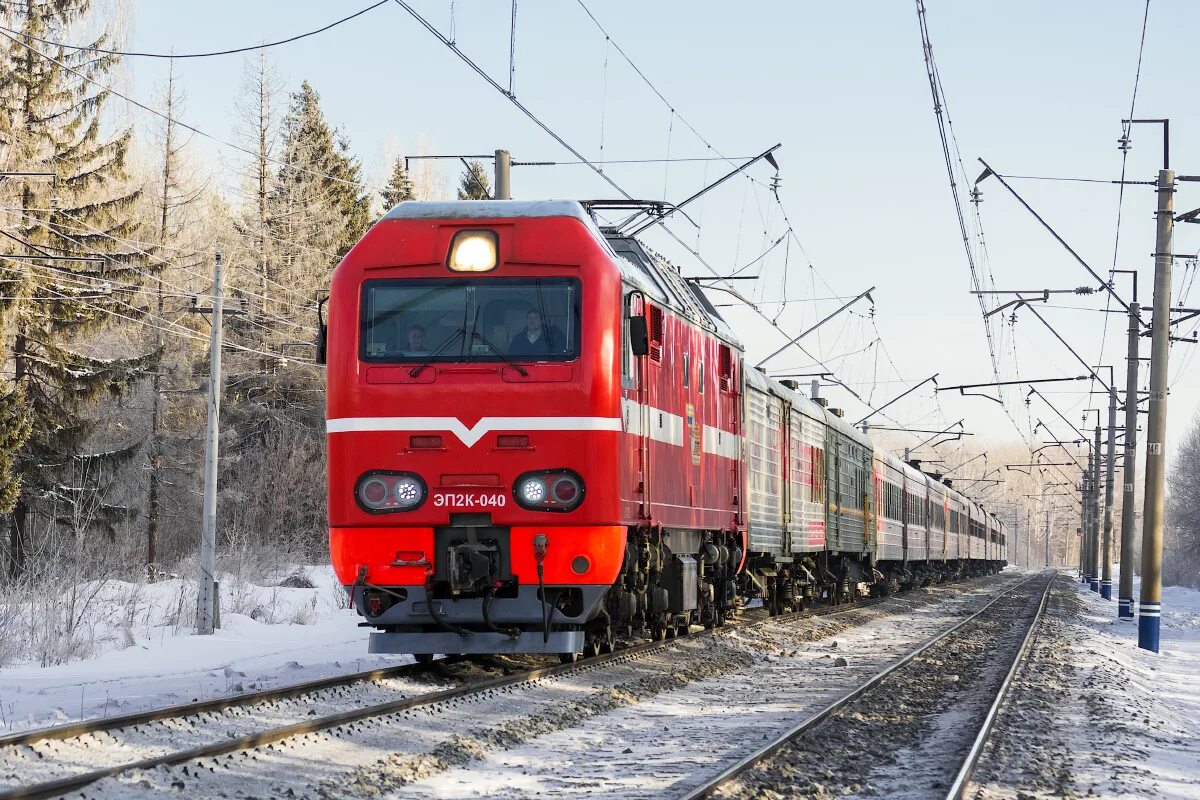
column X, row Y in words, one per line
column 1094, row 584
column 1148, row 628
column 1106, row 590
column 1125, row 608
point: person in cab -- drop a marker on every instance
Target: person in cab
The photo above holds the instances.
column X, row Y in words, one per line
column 536, row 338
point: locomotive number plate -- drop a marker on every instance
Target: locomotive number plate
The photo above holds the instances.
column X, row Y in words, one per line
column 469, row 500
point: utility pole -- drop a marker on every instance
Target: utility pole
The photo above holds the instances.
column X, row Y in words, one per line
column 1106, row 550
column 1086, row 524
column 1047, row 538
column 1094, row 543
column 503, row 175
column 1150, row 606
column 1125, row 590
column 207, row 600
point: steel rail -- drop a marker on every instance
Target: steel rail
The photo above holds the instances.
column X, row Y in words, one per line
column 61, row 786
column 240, row 700
column 959, row 787
column 766, row 751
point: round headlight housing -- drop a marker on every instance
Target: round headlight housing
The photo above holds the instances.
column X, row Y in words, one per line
column 532, row 491
column 549, row 490
column 384, row 492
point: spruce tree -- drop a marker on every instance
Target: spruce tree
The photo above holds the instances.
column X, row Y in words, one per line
column 399, row 187
column 474, row 184
column 50, row 121
column 318, row 208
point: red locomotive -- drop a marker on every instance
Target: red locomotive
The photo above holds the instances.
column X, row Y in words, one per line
column 535, row 435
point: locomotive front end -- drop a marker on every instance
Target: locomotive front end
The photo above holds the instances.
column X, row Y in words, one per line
column 473, row 427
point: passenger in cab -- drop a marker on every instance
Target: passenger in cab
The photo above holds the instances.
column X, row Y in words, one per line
column 535, row 338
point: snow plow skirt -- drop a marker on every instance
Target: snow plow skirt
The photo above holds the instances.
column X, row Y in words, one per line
column 449, row 643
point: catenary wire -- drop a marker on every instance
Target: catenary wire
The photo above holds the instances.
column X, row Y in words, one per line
column 233, row 51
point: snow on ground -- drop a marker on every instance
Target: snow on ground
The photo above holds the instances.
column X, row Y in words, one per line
column 145, row 654
column 1152, row 720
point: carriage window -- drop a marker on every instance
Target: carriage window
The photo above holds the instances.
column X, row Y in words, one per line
column 686, row 371
column 700, row 377
column 470, row 319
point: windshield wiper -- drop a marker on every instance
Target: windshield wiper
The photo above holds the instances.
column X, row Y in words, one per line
column 507, row 359
column 454, row 337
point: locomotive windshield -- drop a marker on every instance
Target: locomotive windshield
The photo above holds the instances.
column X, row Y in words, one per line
column 481, row 319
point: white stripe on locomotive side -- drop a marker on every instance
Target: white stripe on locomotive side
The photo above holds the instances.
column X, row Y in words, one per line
column 470, row 436
column 721, row 443
column 669, row 428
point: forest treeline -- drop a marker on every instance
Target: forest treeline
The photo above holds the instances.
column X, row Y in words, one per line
column 106, row 249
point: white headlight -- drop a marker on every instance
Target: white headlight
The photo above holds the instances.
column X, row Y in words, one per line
column 473, row 251
column 533, row 491
column 407, row 492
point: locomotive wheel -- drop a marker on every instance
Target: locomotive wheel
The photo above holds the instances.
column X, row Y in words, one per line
column 425, row 659
column 591, row 649
column 606, row 647
column 568, row 658
column 657, row 632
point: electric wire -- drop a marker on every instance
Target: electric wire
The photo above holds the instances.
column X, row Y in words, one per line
column 138, row 104
column 233, row 51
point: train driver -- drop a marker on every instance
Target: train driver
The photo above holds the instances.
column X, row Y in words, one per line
column 535, row 338
column 416, row 341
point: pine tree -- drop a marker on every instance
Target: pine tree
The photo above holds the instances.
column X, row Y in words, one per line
column 50, row 121
column 474, row 184
column 399, row 187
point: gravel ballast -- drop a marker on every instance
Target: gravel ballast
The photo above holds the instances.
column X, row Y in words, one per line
column 422, row 751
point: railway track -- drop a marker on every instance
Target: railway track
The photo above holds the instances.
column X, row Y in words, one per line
column 69, row 758
column 950, row 752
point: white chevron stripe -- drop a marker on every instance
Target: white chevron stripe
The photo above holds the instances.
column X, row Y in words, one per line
column 470, row 436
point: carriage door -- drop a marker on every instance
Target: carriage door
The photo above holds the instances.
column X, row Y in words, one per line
column 635, row 379
column 833, row 490
column 868, row 499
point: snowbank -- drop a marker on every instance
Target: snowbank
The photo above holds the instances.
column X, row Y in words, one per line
column 1158, row 702
column 140, row 650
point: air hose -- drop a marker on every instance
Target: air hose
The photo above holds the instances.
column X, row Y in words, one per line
column 539, row 555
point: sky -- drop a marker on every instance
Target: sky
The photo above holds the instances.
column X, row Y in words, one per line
column 1035, row 89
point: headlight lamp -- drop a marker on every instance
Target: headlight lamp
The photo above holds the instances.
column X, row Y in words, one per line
column 549, row 490
column 383, row 492
column 473, row 251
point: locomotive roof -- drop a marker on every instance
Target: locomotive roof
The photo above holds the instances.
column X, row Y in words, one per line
column 489, row 209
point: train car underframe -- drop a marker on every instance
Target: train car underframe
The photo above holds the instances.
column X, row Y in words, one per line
column 786, row 584
column 903, row 575
column 471, row 602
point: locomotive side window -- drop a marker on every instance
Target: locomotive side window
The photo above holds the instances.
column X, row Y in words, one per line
column 470, row 320
column 686, row 371
column 700, row 377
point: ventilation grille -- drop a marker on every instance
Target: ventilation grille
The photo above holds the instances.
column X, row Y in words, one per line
column 725, row 363
column 656, row 334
